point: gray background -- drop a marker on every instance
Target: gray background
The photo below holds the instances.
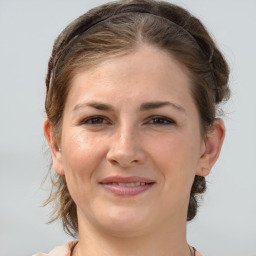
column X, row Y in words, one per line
column 225, row 224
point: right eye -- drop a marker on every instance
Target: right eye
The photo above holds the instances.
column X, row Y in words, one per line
column 95, row 120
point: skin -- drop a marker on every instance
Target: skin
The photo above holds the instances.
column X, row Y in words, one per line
column 161, row 143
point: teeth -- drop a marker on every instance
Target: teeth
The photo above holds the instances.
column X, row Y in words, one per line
column 130, row 184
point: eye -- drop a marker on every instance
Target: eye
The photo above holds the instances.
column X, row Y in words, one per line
column 160, row 120
column 95, row 120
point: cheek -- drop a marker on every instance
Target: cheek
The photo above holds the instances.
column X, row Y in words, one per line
column 82, row 150
column 177, row 157
column 82, row 156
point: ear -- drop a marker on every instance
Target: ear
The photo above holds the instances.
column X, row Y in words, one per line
column 55, row 150
column 212, row 148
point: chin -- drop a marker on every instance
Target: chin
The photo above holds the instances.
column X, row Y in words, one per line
column 123, row 222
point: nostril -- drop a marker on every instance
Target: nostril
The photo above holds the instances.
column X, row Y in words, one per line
column 125, row 156
column 114, row 162
column 124, row 162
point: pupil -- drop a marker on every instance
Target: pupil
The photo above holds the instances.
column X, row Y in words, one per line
column 159, row 120
column 97, row 120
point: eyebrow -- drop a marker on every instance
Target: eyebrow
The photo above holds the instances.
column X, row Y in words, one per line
column 144, row 106
column 159, row 104
column 96, row 105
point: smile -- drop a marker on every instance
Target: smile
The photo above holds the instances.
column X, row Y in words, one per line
column 132, row 184
column 126, row 186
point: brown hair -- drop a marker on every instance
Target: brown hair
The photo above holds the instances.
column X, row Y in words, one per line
column 117, row 28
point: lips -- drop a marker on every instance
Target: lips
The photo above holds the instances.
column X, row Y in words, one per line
column 127, row 186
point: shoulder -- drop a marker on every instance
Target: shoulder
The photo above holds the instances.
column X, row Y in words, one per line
column 63, row 250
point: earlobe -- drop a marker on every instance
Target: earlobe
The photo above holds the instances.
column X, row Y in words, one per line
column 212, row 148
column 203, row 171
column 54, row 148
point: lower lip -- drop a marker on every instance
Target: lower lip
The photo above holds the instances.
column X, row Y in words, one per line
column 127, row 191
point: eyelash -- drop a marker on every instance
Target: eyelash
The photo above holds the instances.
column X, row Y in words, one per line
column 152, row 120
column 162, row 120
column 90, row 120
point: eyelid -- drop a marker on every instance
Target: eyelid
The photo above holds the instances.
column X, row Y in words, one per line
column 170, row 121
column 160, row 120
column 86, row 120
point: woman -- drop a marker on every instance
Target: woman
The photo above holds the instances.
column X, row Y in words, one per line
column 132, row 93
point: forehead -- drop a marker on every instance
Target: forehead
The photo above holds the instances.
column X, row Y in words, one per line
column 146, row 72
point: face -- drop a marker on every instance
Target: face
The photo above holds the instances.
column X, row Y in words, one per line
column 131, row 143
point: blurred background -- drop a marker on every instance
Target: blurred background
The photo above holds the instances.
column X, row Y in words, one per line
column 225, row 224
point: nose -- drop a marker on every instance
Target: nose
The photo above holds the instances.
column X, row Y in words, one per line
column 126, row 148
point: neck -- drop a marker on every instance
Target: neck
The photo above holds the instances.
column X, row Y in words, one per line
column 167, row 240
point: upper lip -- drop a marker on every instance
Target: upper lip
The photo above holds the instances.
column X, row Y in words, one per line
column 120, row 179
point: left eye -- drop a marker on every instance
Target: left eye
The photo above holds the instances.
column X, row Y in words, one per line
column 160, row 120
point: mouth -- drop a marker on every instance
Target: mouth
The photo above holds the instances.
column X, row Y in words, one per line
column 126, row 186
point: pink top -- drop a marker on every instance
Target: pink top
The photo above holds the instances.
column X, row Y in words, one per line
column 65, row 250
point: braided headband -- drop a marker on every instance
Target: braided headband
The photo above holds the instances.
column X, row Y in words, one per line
column 66, row 42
